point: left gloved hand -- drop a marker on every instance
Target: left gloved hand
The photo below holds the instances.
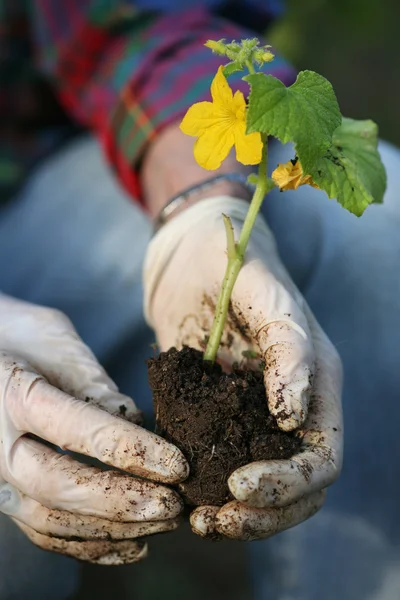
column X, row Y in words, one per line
column 54, row 393
column 184, row 269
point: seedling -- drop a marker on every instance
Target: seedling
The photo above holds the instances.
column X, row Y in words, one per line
column 332, row 153
column 220, row 421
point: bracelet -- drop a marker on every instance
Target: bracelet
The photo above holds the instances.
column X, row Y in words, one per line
column 181, row 198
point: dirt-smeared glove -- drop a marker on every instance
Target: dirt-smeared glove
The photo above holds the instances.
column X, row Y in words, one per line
column 184, row 269
column 53, row 390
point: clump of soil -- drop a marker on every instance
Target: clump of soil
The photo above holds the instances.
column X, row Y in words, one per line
column 220, row 421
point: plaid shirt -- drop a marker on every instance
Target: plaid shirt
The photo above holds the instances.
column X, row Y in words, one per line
column 110, row 66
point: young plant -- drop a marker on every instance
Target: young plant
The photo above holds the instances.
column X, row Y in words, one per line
column 332, row 153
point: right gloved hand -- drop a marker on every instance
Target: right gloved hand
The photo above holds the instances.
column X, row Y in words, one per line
column 303, row 375
column 53, row 391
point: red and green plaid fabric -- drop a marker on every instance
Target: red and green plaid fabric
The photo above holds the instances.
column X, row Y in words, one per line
column 102, row 65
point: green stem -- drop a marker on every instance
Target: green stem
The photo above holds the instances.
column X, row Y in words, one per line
column 250, row 67
column 236, row 255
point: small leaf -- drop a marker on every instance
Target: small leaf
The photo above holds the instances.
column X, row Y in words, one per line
column 306, row 113
column 252, row 179
column 230, row 237
column 351, row 170
column 250, row 354
column 232, row 67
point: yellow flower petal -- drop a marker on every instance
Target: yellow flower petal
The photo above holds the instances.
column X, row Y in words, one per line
column 199, row 117
column 309, row 181
column 289, row 176
column 220, row 91
column 212, row 147
column 248, row 147
column 239, row 106
column 219, row 125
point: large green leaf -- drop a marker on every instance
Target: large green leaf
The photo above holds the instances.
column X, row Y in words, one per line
column 351, row 170
column 306, row 113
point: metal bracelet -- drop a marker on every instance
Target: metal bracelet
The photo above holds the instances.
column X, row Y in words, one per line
column 184, row 196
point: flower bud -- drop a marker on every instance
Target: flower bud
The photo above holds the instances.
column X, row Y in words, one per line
column 217, row 47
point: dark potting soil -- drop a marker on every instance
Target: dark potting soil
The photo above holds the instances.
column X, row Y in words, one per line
column 219, row 421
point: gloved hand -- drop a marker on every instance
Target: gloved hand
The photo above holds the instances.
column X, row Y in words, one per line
column 54, row 392
column 184, row 269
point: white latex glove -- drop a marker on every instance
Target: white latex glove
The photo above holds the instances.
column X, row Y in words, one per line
column 184, row 269
column 52, row 389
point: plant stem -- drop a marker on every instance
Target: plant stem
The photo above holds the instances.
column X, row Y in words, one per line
column 236, row 253
column 250, row 67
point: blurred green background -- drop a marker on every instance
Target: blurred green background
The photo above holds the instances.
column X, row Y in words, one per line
column 355, row 44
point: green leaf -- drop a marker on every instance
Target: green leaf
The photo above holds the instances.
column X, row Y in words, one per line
column 232, row 67
column 253, row 179
column 306, row 113
column 250, row 354
column 230, row 237
column 352, row 171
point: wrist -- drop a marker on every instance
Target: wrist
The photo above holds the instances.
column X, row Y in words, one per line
column 228, row 185
column 169, row 170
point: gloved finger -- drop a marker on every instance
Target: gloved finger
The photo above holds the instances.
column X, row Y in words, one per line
column 318, row 464
column 63, row 524
column 79, row 374
column 36, row 407
column 84, row 378
column 203, row 521
column 99, row 551
column 62, row 357
column 267, row 304
column 289, row 360
column 59, row 482
column 241, row 522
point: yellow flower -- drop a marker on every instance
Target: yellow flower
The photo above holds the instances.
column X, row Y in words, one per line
column 219, row 125
column 290, row 176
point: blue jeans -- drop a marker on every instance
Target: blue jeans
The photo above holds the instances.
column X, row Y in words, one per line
column 73, row 240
